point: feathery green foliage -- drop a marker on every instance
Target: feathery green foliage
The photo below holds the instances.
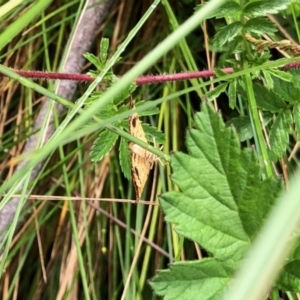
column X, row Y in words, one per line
column 106, row 138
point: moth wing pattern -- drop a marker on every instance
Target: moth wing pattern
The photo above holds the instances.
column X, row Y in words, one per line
column 141, row 160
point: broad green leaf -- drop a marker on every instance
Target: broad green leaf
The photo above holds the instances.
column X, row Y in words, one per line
column 268, row 100
column 259, row 26
column 229, row 9
column 124, row 156
column 263, row 7
column 286, row 90
column 232, row 94
column 296, row 77
column 102, row 145
column 296, row 115
column 221, row 205
column 223, row 201
column 227, row 34
column 215, row 93
column 279, row 134
column 204, row 279
column 243, row 127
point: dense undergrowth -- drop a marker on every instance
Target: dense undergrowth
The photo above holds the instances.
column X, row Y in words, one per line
column 229, row 151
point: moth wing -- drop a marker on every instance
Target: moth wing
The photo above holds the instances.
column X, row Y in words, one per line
column 140, row 165
column 140, row 170
column 136, row 128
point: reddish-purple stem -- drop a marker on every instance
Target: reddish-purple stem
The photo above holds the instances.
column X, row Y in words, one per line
column 147, row 79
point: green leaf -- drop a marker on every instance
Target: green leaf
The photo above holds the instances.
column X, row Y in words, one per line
column 259, row 26
column 153, row 135
column 232, row 94
column 279, row 134
column 229, row 9
column 94, row 60
column 203, row 280
column 286, row 90
column 258, row 59
column 219, row 73
column 104, row 45
column 242, row 126
column 124, row 94
column 267, row 99
column 146, row 112
column 296, row 115
column 236, row 45
column 215, row 93
column 107, row 111
column 102, row 145
column 286, row 76
column 264, row 7
column 289, row 279
column 221, row 205
column 223, row 202
column 296, row 77
column 227, row 34
column 124, row 157
column 268, row 81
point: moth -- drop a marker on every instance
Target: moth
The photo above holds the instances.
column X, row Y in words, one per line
column 142, row 160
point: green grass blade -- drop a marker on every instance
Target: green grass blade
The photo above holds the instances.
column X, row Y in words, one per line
column 21, row 23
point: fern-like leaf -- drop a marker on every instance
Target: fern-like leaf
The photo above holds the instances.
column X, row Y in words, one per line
column 102, row 145
column 211, row 95
column 227, row 34
column 259, row 26
column 230, row 8
column 264, row 7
